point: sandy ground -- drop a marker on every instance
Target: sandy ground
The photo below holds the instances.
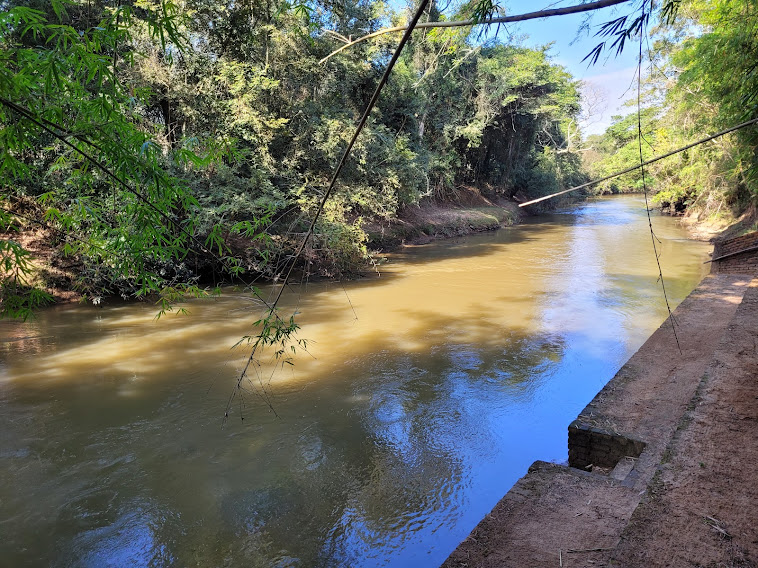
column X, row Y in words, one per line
column 472, row 212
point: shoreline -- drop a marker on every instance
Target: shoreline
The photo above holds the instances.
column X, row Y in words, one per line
column 661, row 461
column 472, row 212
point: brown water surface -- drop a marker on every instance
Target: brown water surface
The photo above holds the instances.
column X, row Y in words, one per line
column 425, row 393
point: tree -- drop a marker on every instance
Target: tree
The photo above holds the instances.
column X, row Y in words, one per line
column 165, row 143
column 618, row 149
column 715, row 87
column 78, row 139
column 703, row 81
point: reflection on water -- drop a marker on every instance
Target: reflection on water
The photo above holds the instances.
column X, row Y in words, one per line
column 397, row 433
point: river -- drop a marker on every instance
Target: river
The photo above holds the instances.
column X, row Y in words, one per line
column 426, row 392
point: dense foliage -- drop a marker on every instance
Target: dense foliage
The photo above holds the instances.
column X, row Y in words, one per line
column 704, row 80
column 161, row 142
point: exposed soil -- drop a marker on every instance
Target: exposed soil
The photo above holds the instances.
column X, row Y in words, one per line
column 690, row 498
column 471, row 212
column 55, row 274
column 718, row 229
column 702, row 509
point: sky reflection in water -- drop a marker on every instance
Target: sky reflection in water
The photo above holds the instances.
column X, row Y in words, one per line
column 467, row 362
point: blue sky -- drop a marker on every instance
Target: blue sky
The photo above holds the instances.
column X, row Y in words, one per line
column 611, row 77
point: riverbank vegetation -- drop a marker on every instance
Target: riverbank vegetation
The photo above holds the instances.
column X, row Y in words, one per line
column 155, row 147
column 162, row 145
column 702, row 78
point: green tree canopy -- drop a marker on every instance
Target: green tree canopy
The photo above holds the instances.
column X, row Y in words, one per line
column 170, row 143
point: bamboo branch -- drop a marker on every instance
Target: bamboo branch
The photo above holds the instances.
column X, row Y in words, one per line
column 337, row 35
column 579, row 8
column 311, row 228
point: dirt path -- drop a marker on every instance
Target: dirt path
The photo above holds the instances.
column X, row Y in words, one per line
column 664, row 458
column 702, row 507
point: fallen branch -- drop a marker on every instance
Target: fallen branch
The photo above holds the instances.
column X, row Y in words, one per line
column 579, row 8
column 575, row 551
column 718, row 526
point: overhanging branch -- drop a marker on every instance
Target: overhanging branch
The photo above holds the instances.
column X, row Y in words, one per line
column 579, row 8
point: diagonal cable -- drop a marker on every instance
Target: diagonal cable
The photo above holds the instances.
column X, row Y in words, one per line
column 645, row 190
column 332, row 183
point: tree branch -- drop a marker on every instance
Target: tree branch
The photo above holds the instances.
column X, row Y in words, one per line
column 579, row 8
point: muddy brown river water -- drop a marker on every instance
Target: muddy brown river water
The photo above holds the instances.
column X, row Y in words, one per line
column 426, row 393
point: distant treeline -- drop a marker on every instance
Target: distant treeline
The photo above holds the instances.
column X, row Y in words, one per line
column 702, row 78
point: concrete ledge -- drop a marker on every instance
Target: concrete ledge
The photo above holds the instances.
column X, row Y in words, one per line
column 527, row 528
column 700, row 509
column 737, row 255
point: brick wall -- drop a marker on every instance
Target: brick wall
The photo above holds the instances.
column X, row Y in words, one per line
column 593, row 446
column 741, row 263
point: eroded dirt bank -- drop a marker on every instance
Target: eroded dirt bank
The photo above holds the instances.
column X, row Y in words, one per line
column 664, row 458
column 470, row 212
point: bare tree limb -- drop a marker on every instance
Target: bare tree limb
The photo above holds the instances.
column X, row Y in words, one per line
column 579, row 8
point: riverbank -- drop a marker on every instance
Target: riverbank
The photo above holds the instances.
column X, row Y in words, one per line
column 470, row 212
column 704, row 225
column 661, row 462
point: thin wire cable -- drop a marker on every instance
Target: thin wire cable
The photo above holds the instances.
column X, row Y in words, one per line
column 375, row 97
column 653, row 238
column 638, row 166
